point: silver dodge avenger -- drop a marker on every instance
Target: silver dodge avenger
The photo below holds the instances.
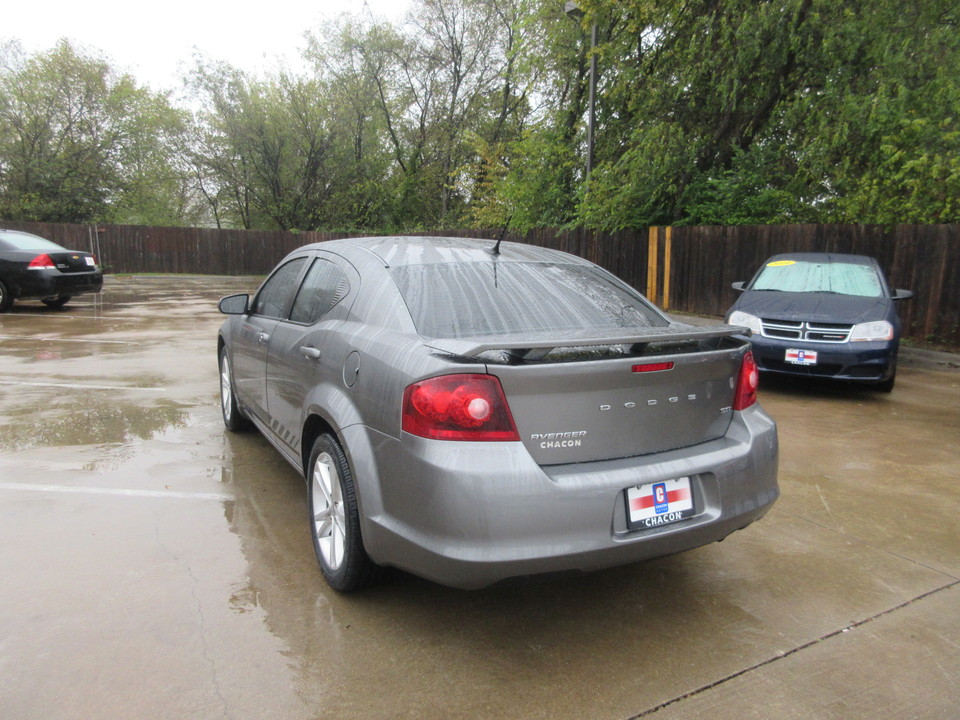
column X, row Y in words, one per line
column 472, row 411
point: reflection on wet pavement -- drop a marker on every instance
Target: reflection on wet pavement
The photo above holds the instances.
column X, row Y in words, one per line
column 90, row 422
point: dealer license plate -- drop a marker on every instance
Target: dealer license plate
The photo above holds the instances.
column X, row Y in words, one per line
column 659, row 503
column 801, row 357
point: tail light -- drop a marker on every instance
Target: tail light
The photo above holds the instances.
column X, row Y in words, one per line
column 747, row 383
column 41, row 262
column 458, row 407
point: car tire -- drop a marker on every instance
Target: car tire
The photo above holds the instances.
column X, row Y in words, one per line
column 335, row 519
column 887, row 385
column 233, row 417
column 56, row 302
column 6, row 299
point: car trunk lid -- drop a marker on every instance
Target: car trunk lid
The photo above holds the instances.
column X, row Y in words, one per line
column 72, row 262
column 606, row 398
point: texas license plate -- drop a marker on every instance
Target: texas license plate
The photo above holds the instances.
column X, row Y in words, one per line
column 659, row 503
column 801, row 357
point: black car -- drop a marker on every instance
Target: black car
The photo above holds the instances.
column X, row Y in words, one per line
column 822, row 314
column 34, row 268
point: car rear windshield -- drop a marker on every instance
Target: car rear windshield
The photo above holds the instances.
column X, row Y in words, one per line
column 25, row 241
column 456, row 300
column 836, row 277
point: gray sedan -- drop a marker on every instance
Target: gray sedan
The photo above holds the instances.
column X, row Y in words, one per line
column 472, row 412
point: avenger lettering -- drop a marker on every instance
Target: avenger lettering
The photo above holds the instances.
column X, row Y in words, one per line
column 549, row 441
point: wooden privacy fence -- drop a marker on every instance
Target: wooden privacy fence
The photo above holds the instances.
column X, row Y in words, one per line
column 205, row 251
column 684, row 269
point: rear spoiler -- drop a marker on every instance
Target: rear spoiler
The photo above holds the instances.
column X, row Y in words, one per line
column 543, row 343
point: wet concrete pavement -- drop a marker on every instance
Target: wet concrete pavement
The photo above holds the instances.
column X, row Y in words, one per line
column 155, row 566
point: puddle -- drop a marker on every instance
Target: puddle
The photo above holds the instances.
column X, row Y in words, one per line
column 91, row 422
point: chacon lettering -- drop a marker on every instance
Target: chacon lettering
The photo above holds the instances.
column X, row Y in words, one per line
column 663, row 519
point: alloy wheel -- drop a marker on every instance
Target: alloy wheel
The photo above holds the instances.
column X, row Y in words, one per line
column 329, row 517
column 226, row 388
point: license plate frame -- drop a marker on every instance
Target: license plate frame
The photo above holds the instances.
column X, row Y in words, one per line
column 797, row 356
column 658, row 504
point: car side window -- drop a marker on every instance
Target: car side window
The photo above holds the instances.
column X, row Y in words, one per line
column 274, row 297
column 324, row 286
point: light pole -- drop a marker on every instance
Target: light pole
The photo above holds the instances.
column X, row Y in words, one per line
column 572, row 9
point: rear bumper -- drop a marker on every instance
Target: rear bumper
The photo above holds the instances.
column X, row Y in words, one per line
column 37, row 284
column 472, row 514
column 870, row 362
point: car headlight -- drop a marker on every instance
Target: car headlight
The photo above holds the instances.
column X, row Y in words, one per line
column 878, row 330
column 751, row 322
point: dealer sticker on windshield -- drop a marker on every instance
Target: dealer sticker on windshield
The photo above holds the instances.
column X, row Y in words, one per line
column 801, row 357
column 660, row 503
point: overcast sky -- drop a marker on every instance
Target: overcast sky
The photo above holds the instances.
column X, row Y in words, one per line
column 156, row 41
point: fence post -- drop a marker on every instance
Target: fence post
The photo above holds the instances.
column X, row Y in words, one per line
column 667, row 253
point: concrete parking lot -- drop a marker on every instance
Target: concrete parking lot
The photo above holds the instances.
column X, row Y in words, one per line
column 153, row 565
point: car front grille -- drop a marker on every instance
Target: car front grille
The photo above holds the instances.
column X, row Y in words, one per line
column 805, row 331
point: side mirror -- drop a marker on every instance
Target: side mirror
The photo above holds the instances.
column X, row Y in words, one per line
column 738, row 285
column 234, row 304
column 901, row 294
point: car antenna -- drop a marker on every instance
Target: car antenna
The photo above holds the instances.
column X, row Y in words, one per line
column 495, row 250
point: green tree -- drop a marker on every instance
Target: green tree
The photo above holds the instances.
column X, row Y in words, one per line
column 82, row 143
column 444, row 93
column 356, row 64
column 882, row 128
column 523, row 151
column 474, row 111
column 263, row 150
column 725, row 111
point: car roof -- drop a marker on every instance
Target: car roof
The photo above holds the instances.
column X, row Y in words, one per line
column 822, row 257
column 397, row 251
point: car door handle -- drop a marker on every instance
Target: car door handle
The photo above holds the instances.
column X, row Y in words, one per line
column 310, row 352
column 262, row 337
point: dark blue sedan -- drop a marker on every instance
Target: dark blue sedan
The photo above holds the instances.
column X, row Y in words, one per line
column 822, row 314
